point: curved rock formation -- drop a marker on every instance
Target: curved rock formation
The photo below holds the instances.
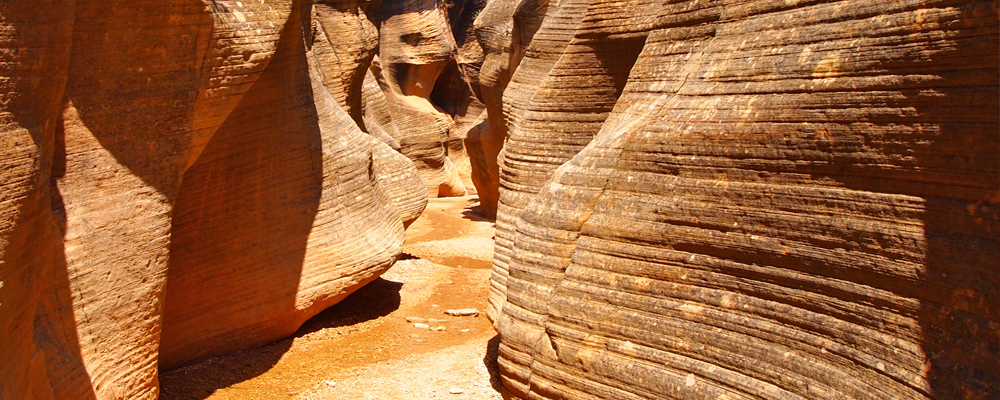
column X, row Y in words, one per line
column 377, row 119
column 285, row 205
column 493, row 28
column 251, row 258
column 564, row 88
column 415, row 45
column 789, row 200
column 344, row 41
column 453, row 94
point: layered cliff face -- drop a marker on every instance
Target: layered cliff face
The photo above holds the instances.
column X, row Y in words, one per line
column 181, row 179
column 787, row 200
column 559, row 96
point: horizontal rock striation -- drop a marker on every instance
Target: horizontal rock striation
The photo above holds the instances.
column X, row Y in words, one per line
column 788, row 200
column 564, row 88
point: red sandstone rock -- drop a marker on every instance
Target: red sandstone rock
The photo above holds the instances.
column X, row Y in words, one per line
column 415, row 45
column 787, row 201
column 33, row 45
column 493, row 28
column 155, row 140
column 377, row 118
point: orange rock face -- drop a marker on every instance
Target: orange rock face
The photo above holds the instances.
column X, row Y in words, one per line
column 179, row 180
column 786, row 200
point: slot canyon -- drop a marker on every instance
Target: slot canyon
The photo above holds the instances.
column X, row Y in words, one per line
column 500, row 199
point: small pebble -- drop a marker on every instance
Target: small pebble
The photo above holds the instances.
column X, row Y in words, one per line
column 420, row 325
column 416, row 320
column 456, row 391
column 331, row 383
column 464, row 330
column 438, row 328
column 463, row 312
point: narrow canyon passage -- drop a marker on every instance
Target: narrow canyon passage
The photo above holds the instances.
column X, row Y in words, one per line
column 637, row 199
column 364, row 348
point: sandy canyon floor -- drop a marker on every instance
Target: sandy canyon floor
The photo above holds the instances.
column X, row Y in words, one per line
column 364, row 348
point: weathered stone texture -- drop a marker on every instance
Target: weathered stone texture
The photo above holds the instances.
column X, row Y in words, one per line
column 493, row 27
column 788, row 200
column 344, row 41
column 415, row 45
column 560, row 95
column 253, row 257
column 175, row 141
column 32, row 45
column 376, row 116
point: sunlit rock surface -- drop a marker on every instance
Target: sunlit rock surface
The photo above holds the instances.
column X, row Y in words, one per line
column 415, row 46
column 179, row 180
column 787, row 200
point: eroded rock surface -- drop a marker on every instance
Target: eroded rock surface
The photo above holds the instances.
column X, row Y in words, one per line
column 788, row 200
column 415, row 46
column 562, row 91
column 183, row 142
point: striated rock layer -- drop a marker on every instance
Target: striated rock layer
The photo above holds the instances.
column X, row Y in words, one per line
column 558, row 98
column 788, row 200
column 178, row 181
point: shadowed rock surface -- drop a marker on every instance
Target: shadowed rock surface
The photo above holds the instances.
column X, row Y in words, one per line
column 493, row 28
column 788, row 200
column 284, row 208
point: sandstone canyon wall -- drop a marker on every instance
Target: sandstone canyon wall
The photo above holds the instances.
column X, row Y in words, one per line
column 180, row 179
column 415, row 46
column 773, row 200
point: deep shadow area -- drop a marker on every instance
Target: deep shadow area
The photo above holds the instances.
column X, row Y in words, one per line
column 199, row 381
column 374, row 300
column 955, row 171
column 134, row 92
column 475, row 213
column 492, row 364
